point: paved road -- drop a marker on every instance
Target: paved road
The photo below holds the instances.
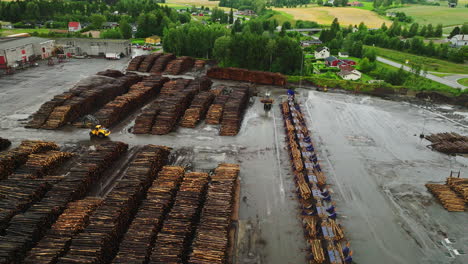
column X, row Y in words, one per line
column 450, row 83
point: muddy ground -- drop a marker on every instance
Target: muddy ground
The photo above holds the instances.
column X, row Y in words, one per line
column 376, row 164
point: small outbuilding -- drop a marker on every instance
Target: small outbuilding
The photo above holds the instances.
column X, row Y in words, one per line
column 153, row 40
column 322, row 53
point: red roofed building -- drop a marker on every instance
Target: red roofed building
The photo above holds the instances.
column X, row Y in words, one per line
column 74, row 26
column 355, row 3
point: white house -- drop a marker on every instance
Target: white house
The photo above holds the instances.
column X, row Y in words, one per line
column 343, row 54
column 349, row 73
column 459, row 40
column 322, row 53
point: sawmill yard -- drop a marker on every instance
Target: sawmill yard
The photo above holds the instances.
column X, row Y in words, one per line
column 369, row 149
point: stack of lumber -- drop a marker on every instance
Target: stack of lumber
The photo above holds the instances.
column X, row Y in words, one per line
column 304, row 189
column 26, row 229
column 310, row 223
column 123, row 105
column 171, row 111
column 211, row 241
column 233, row 112
column 161, row 63
column 141, row 235
column 317, row 250
column 244, row 75
column 174, row 86
column 459, row 185
column 12, row 159
column 202, row 83
column 148, row 62
column 57, row 240
column 449, row 143
column 199, row 65
column 41, row 164
column 111, row 73
column 144, row 122
column 4, row 143
column 41, row 116
column 449, row 199
column 179, row 65
column 172, row 242
column 99, row 241
column 215, row 112
column 134, row 64
column 197, row 109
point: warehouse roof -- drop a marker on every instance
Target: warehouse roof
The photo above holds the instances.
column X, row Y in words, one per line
column 9, row 43
column 94, row 40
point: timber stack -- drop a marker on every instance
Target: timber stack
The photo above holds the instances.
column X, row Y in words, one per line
column 4, row 143
column 453, row 195
column 41, row 164
column 324, row 234
column 111, row 73
column 215, row 112
column 212, row 239
column 161, row 63
column 172, row 242
column 12, row 159
column 99, row 241
column 179, row 65
column 26, row 229
column 449, row 143
column 57, row 239
column 460, row 186
column 136, row 97
column 233, row 112
column 197, row 109
column 238, row 74
column 141, row 235
column 199, row 65
column 148, row 62
column 134, row 64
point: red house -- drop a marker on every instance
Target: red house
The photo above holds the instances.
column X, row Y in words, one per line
column 74, row 26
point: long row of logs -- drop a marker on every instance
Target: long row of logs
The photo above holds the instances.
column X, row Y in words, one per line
column 238, row 74
column 172, row 242
column 81, row 100
column 233, row 112
column 99, row 241
column 136, row 97
column 449, row 143
column 179, row 65
column 141, row 235
column 148, row 62
column 197, row 109
column 215, row 112
column 157, row 63
column 211, row 241
column 57, row 239
column 4, row 143
column 324, row 235
column 12, row 159
column 134, row 64
column 41, row 164
column 26, row 229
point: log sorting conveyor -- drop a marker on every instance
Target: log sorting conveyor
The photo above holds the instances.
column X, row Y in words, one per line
column 325, row 236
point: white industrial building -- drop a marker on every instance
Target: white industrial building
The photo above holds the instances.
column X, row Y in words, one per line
column 95, row 47
column 14, row 51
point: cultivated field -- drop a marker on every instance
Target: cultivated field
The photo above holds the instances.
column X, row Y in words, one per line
column 197, row 3
column 435, row 14
column 346, row 16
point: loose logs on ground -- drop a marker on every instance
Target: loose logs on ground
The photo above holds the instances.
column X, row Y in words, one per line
column 99, row 241
column 26, row 229
column 12, row 159
column 4, row 143
column 450, row 143
column 172, row 242
column 238, row 74
column 460, row 186
column 449, row 199
column 211, row 241
column 57, row 240
column 141, row 235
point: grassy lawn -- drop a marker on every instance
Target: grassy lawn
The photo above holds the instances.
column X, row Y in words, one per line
column 282, row 17
column 430, row 64
column 140, row 41
column 196, row 3
column 366, row 5
column 435, row 14
column 463, row 81
column 346, row 15
column 6, row 32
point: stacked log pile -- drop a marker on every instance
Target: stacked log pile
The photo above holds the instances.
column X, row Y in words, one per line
column 199, row 65
column 233, row 112
column 197, row 109
column 144, row 121
column 12, row 159
column 134, row 64
column 211, row 241
column 179, row 65
column 111, row 73
column 26, row 229
column 460, row 186
column 141, row 235
column 57, row 240
column 81, row 100
column 172, row 242
column 99, row 241
column 161, row 63
column 4, row 143
column 123, row 105
column 449, row 143
column 41, row 164
column 321, row 228
column 449, row 199
column 172, row 109
column 148, row 62
column 244, row 75
column 215, row 112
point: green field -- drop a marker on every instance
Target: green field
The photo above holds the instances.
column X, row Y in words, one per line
column 463, row 81
column 282, row 17
column 435, row 14
column 430, row 64
column 6, row 32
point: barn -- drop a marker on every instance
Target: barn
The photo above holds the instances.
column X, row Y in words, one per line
column 21, row 50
